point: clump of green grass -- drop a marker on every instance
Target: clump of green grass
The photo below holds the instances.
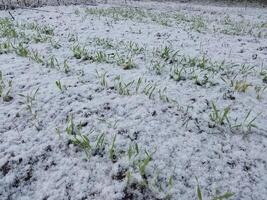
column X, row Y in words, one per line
column 241, row 86
column 6, row 47
column 74, row 133
column 55, row 44
column 177, row 74
column 5, row 89
column 224, row 196
column 66, row 66
column 247, row 124
column 122, row 87
column 259, row 91
column 28, row 101
column 142, row 165
column 52, row 62
column 7, row 28
column 35, row 56
column 126, row 63
column 198, row 24
column 112, row 154
column 21, row 50
column 219, row 117
column 150, row 89
column 102, row 79
column 158, row 67
column 100, row 57
column 168, row 54
column 78, row 51
column 41, row 29
column 61, row 87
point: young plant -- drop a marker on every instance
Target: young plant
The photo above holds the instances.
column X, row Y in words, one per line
column 78, row 51
column 158, row 68
column 5, row 89
column 259, row 91
column 83, row 142
column 35, row 56
column 102, row 79
column 122, row 87
column 149, row 89
column 219, row 117
column 162, row 95
column 21, row 50
column 126, row 63
column 143, row 165
column 241, row 86
column 168, row 54
column 6, row 47
column 74, row 133
column 52, row 62
column 138, row 84
column 224, row 196
column 177, row 74
column 55, row 44
column 112, row 154
column 248, row 123
column 100, row 143
column 29, row 101
column 66, row 67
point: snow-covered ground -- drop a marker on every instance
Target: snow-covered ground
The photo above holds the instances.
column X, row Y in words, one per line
column 114, row 102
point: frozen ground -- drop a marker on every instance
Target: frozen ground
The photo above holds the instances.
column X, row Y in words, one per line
column 181, row 86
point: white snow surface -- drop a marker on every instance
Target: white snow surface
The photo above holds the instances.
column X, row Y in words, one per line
column 37, row 163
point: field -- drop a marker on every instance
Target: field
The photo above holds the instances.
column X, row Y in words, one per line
column 133, row 101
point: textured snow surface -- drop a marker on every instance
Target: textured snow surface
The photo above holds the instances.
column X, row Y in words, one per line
column 38, row 160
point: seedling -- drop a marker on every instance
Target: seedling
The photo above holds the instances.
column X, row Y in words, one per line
column 66, row 67
column 259, row 91
column 132, row 151
column 134, row 48
column 28, row 102
column 101, row 57
column 52, row 62
column 149, row 89
column 198, row 24
column 21, row 50
column 158, row 68
column 112, row 154
column 100, row 142
column 74, row 133
column 126, row 63
column 226, row 195
column 83, row 142
column 166, row 53
column 5, row 89
column 35, row 56
column 7, row 28
column 106, row 43
column 60, row 86
column 248, row 123
column 6, row 47
column 177, row 74
column 55, row 44
column 143, row 165
column 78, row 51
column 102, row 79
column 219, row 117
column 241, row 86
column 122, row 87
column 163, row 96
column 138, row 84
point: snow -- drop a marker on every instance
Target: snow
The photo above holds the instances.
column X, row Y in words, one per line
column 37, row 162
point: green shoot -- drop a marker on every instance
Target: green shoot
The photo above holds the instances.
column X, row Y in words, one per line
column 219, row 117
column 112, row 154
